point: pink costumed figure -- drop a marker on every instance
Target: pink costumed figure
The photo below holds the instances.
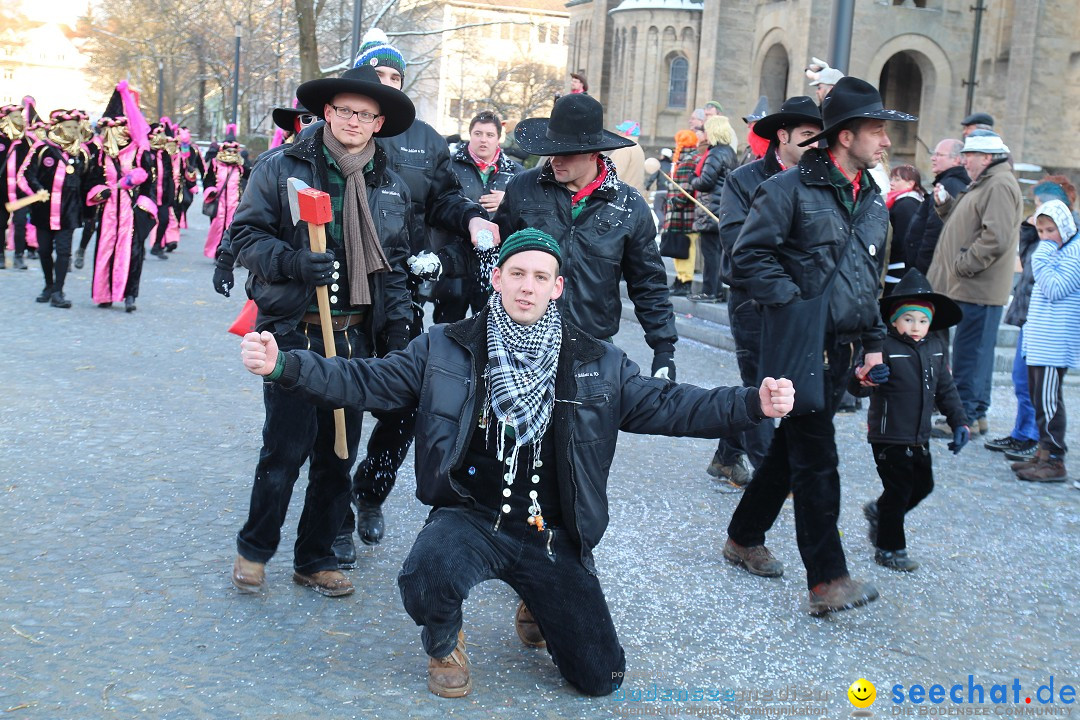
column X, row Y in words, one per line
column 121, row 185
column 222, row 184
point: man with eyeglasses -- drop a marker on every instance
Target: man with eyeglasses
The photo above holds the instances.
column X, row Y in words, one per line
column 364, row 267
column 947, row 162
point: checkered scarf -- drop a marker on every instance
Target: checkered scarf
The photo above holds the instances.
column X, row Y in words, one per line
column 523, row 360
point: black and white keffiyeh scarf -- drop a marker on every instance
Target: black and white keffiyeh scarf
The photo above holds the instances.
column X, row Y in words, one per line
column 521, row 370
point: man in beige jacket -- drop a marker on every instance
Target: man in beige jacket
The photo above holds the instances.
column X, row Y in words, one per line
column 973, row 264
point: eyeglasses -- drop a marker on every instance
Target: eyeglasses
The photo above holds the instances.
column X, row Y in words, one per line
column 362, row 115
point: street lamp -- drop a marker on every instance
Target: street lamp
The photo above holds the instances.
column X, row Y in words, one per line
column 236, row 73
column 160, row 89
column 358, row 15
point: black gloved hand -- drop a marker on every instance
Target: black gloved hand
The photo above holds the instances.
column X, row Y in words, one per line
column 960, row 437
column 223, row 281
column 878, row 374
column 311, row 268
column 396, row 341
column 105, row 194
column 663, row 365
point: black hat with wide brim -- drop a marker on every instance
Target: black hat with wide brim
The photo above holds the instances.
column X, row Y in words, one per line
column 915, row 288
column 799, row 110
column 284, row 116
column 576, row 127
column 395, row 106
column 853, row 98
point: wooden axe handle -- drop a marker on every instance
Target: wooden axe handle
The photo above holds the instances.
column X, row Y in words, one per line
column 39, row 196
column 692, row 198
column 317, row 237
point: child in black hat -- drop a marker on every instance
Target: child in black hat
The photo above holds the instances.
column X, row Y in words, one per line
column 902, row 394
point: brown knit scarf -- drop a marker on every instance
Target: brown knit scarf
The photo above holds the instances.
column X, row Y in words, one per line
column 363, row 253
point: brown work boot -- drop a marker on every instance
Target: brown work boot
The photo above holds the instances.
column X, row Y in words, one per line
column 756, row 559
column 1039, row 456
column 526, row 627
column 331, row 583
column 448, row 677
column 843, row 593
column 248, row 576
column 1050, row 470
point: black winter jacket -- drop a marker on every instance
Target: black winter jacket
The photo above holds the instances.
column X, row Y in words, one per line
column 710, row 185
column 263, row 237
column 796, row 232
column 422, row 159
column 598, row 392
column 1016, row 314
column 48, row 166
column 919, row 377
column 735, row 202
column 925, row 227
column 613, row 238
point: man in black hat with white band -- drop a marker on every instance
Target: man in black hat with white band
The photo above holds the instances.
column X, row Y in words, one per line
column 603, row 225
column 798, row 119
column 364, row 267
column 816, row 229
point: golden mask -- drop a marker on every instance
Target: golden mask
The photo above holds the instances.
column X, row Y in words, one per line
column 229, row 156
column 114, row 138
column 13, row 125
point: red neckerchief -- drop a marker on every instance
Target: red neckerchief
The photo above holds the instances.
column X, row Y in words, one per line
column 855, row 181
column 482, row 166
column 583, row 194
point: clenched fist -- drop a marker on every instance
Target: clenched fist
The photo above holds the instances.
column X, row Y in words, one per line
column 777, row 397
column 259, row 351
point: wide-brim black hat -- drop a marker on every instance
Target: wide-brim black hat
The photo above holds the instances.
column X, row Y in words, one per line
column 395, row 106
column 799, row 110
column 853, row 98
column 284, row 117
column 915, row 288
column 576, row 127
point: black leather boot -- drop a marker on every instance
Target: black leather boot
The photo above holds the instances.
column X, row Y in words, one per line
column 129, row 303
column 369, row 522
column 59, row 301
column 80, row 258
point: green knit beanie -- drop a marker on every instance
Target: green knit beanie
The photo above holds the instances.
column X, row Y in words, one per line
column 529, row 239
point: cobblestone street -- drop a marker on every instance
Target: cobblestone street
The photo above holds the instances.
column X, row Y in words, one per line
column 126, row 460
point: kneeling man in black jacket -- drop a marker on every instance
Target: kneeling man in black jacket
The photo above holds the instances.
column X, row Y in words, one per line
column 520, row 411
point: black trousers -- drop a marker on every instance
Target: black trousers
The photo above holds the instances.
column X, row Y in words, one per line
column 1045, row 385
column 58, row 241
column 459, row 548
column 293, row 432
column 387, row 449
column 906, row 479
column 709, row 242
column 163, row 215
column 135, row 268
column 802, row 459
column 88, row 229
column 745, row 321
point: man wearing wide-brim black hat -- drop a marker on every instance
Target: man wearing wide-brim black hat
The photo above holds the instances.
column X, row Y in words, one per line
column 293, row 119
column 811, row 252
column 797, row 120
column 604, row 226
column 365, row 269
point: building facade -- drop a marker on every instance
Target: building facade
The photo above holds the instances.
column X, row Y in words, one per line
column 504, row 55
column 654, row 61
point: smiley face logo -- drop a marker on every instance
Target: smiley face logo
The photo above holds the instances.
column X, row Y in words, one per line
column 862, row 693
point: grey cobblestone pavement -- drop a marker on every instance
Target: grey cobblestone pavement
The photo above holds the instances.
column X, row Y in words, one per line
column 126, row 459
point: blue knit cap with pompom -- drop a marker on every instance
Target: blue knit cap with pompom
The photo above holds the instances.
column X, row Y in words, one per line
column 376, row 51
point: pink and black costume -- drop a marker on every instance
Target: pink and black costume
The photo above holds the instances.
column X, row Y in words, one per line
column 121, row 186
column 14, row 146
column 222, row 183
column 59, row 166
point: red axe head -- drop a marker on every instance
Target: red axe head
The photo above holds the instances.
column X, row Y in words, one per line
column 308, row 204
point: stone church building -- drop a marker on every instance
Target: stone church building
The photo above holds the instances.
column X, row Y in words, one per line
column 654, row 61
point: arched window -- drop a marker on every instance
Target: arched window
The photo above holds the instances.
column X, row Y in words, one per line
column 677, row 82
